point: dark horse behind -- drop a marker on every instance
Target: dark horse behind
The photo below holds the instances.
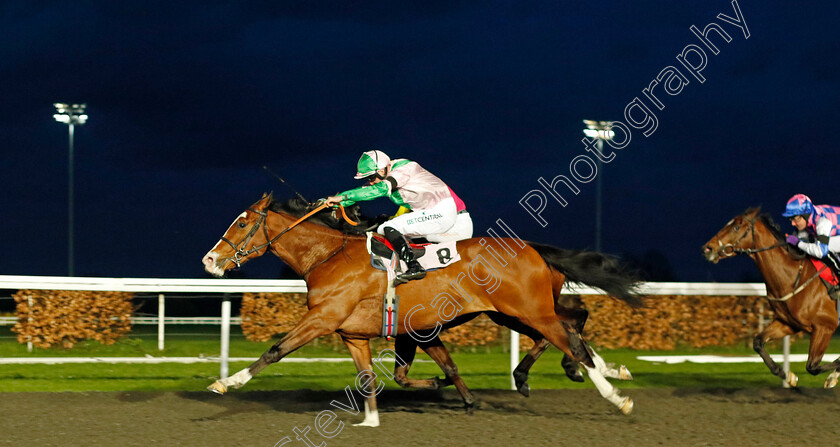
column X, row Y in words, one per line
column 799, row 300
column 521, row 291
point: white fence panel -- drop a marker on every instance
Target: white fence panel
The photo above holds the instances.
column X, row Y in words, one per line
column 175, row 285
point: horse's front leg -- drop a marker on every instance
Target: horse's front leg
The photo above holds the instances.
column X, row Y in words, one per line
column 775, row 330
column 360, row 350
column 315, row 323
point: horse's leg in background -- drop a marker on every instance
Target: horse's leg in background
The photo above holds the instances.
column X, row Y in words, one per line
column 775, row 330
column 440, row 355
column 406, row 348
column 317, row 322
column 360, row 350
column 520, row 373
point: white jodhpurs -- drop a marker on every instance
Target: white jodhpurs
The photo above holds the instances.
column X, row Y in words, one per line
column 437, row 224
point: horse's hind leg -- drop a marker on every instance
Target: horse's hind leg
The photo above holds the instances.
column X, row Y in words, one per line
column 775, row 330
column 820, row 337
column 360, row 350
column 622, row 373
column 559, row 336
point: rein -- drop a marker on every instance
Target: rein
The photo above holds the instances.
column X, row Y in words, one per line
column 241, row 253
column 729, row 250
column 800, row 288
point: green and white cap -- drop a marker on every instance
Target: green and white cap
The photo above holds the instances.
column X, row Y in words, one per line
column 370, row 162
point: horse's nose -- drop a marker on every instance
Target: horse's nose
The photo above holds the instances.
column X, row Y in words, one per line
column 709, row 253
column 209, row 261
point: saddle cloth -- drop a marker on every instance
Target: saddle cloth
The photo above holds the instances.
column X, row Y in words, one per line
column 431, row 255
column 826, row 274
column 382, row 257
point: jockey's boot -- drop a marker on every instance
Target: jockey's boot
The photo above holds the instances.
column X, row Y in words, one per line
column 414, row 270
column 831, row 260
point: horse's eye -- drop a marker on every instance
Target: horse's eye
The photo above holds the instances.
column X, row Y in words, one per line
column 242, row 224
column 736, row 227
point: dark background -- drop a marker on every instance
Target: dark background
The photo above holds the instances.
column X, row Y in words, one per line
column 188, row 101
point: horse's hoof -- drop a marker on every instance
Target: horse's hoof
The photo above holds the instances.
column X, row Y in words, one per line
column 524, row 389
column 218, row 387
column 627, row 406
column 831, row 380
column 792, row 380
column 367, row 423
column 624, row 373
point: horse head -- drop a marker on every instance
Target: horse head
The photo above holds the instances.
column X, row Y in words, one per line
column 735, row 237
column 242, row 241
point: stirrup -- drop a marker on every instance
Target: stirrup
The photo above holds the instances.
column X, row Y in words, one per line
column 413, row 271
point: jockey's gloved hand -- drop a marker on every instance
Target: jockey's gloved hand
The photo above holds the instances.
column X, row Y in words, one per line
column 792, row 240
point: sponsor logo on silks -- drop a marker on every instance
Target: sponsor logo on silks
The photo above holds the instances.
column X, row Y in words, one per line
column 424, row 218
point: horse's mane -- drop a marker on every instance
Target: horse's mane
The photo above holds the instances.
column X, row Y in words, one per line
column 776, row 231
column 298, row 207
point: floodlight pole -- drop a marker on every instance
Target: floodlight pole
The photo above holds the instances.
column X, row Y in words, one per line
column 600, row 130
column 70, row 207
column 598, row 196
column 70, row 114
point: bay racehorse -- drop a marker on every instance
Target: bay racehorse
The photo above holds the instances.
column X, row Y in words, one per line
column 799, row 300
column 345, row 292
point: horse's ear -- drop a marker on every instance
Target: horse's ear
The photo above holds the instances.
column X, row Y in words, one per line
column 752, row 211
column 266, row 199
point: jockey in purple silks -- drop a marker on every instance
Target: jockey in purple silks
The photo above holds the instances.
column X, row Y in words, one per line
column 818, row 231
column 436, row 211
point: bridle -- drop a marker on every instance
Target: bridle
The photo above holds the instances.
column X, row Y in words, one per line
column 729, row 250
column 241, row 253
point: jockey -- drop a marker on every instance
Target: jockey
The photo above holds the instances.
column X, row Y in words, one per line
column 817, row 223
column 436, row 212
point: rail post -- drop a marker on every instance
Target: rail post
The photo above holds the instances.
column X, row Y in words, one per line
column 223, row 364
column 786, row 363
column 161, row 314
column 514, row 356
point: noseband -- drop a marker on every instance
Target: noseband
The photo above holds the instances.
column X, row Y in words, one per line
column 240, row 252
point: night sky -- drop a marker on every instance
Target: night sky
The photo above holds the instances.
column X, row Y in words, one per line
column 188, row 100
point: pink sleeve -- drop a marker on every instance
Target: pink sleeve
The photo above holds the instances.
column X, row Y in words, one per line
column 459, row 204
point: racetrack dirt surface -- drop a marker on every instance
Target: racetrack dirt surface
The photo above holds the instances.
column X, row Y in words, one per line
column 670, row 417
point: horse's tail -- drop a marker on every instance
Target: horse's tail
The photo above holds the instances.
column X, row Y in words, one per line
column 593, row 269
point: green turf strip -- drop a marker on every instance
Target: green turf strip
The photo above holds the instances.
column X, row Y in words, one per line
column 483, row 368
